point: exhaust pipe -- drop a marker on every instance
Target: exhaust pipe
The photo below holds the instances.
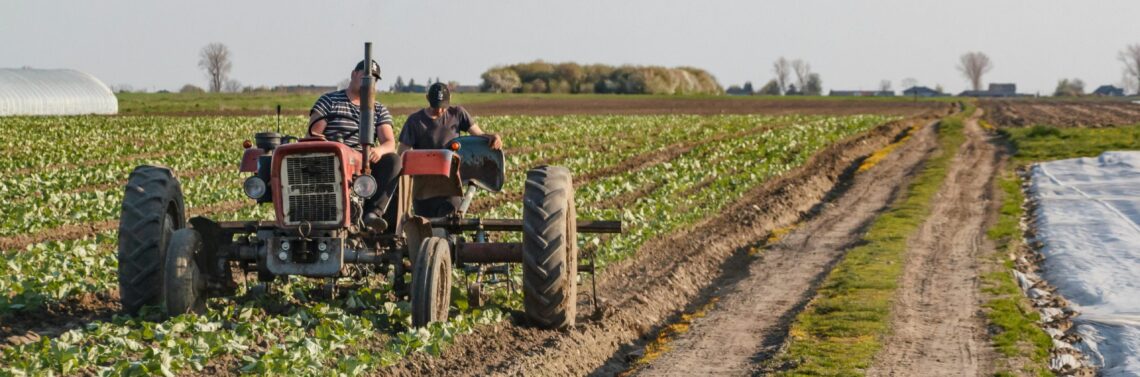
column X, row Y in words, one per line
column 367, row 106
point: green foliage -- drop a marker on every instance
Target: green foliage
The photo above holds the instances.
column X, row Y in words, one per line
column 288, row 332
column 542, row 77
column 1045, row 143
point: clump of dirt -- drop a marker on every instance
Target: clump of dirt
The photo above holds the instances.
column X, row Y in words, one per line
column 1021, row 113
column 642, row 292
column 56, row 318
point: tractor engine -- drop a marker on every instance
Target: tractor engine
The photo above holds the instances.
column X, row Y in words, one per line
column 317, row 189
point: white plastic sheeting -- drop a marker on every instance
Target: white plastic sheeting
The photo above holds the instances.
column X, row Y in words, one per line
column 28, row 91
column 1088, row 218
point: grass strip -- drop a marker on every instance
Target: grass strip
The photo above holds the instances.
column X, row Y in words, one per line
column 842, row 328
column 1014, row 320
column 1015, row 333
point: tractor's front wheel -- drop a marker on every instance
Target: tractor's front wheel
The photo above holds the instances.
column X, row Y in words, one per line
column 152, row 211
column 550, row 248
column 431, row 282
column 185, row 285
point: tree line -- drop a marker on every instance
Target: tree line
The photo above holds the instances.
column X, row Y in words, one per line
column 790, row 77
column 543, row 77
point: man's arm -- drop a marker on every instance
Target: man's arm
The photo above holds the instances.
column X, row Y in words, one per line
column 317, row 125
column 496, row 142
column 317, row 122
column 403, row 148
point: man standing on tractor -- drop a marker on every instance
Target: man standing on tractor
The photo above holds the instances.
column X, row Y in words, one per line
column 336, row 116
column 432, row 128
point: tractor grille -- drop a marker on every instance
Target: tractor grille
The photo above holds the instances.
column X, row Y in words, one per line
column 311, row 188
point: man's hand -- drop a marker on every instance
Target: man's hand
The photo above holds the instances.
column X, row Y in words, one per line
column 496, row 142
column 373, row 155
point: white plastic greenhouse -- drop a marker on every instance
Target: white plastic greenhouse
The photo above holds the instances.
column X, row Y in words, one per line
column 27, row 91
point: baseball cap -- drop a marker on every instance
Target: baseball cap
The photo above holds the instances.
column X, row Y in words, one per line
column 375, row 68
column 438, row 95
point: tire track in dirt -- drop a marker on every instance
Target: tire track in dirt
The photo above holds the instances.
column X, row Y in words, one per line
column 937, row 324
column 641, row 292
column 758, row 301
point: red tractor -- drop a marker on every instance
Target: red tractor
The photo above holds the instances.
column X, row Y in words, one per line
column 318, row 188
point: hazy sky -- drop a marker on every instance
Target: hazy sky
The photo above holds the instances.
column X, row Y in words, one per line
column 851, row 44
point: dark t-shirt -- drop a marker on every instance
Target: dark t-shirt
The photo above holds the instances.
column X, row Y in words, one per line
column 423, row 132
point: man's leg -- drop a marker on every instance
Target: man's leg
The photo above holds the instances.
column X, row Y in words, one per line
column 387, row 175
column 438, row 206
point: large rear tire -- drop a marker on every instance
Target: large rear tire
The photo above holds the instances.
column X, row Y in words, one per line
column 550, row 248
column 185, row 288
column 431, row 282
column 152, row 211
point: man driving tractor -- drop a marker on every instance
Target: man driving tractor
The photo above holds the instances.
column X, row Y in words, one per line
column 432, row 128
column 336, row 116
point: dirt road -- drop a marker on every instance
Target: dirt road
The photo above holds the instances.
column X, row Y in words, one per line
column 752, row 315
column 642, row 293
column 937, row 326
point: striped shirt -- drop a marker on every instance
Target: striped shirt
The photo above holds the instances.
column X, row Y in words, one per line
column 343, row 117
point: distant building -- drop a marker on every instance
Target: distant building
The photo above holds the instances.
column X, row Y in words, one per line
column 861, row 93
column 304, row 88
column 466, row 89
column 922, row 91
column 1108, row 91
column 1003, row 90
column 995, row 90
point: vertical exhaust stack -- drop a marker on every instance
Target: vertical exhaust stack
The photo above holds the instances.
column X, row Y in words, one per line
column 367, row 106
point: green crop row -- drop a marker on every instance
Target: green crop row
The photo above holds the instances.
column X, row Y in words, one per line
column 362, row 329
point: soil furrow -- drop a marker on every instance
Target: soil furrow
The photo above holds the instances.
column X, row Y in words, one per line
column 641, row 292
column 937, row 323
column 76, row 231
column 757, row 303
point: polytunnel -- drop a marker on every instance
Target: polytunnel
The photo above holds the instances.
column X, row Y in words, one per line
column 27, row 91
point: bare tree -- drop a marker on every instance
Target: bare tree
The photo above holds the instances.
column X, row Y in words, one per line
column 215, row 60
column 1069, row 88
column 814, row 85
column 781, row 69
column 802, row 70
column 885, row 86
column 1131, row 59
column 231, row 86
column 973, row 65
column 908, row 83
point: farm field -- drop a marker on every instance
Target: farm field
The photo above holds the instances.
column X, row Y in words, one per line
column 258, row 104
column 59, row 221
column 771, row 239
column 1062, row 113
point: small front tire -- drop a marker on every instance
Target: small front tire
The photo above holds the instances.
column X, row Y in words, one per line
column 431, row 282
column 185, row 283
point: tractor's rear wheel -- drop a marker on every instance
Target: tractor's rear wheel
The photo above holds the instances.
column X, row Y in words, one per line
column 152, row 211
column 431, row 282
column 185, row 288
column 550, row 248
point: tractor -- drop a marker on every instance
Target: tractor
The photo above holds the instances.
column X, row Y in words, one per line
column 317, row 188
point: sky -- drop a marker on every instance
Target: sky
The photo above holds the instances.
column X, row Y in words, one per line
column 154, row 45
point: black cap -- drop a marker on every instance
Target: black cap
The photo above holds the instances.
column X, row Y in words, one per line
column 375, row 68
column 438, row 95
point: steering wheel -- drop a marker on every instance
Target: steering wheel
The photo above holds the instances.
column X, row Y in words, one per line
column 329, row 117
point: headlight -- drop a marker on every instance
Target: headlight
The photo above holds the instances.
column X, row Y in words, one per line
column 254, row 187
column 364, row 186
